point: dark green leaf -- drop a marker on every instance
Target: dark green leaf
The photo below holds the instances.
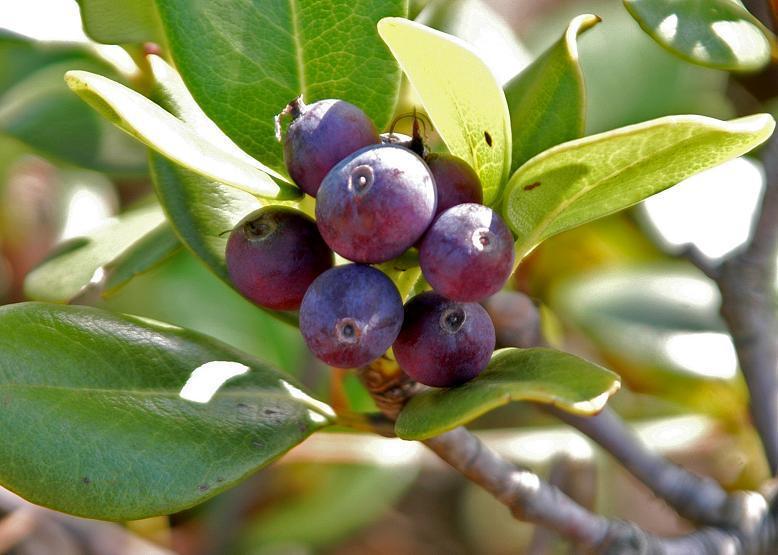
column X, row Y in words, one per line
column 121, row 21
column 720, row 34
column 579, row 181
column 245, row 60
column 540, row 375
column 547, row 100
column 109, row 416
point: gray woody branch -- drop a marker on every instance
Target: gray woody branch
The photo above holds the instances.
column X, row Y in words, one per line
column 747, row 285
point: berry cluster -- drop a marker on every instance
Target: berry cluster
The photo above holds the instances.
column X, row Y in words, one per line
column 376, row 197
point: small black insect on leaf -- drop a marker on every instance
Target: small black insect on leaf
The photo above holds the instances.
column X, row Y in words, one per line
column 532, row 186
column 488, row 138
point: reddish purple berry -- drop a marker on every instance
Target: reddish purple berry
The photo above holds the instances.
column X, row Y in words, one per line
column 274, row 254
column 468, row 253
column 321, row 135
column 444, row 343
column 376, row 203
column 456, row 182
column 351, row 315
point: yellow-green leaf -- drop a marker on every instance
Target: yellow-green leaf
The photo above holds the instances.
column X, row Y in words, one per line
column 76, row 264
column 459, row 93
column 121, row 21
column 172, row 138
column 541, row 375
column 580, row 181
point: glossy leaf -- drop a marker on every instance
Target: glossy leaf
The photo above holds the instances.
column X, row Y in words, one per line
column 80, row 262
column 37, row 108
column 479, row 25
column 541, row 375
column 460, row 94
column 121, row 21
column 171, row 137
column 579, row 181
column 116, row 417
column 547, row 100
column 147, row 253
column 720, row 34
column 245, row 60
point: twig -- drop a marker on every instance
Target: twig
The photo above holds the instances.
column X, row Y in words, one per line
column 576, row 480
column 532, row 499
column 696, row 498
column 747, row 285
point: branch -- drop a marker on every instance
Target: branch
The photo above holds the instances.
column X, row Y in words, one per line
column 696, row 498
column 532, row 499
column 747, row 285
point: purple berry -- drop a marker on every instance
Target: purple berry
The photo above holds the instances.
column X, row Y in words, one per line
column 456, row 182
column 376, row 203
column 274, row 255
column 444, row 343
column 516, row 319
column 321, row 135
column 351, row 315
column 468, row 253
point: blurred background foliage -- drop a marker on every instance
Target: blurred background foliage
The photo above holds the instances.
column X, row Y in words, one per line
column 614, row 291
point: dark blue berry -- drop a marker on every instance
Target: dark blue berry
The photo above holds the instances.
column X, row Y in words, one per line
column 456, row 182
column 273, row 256
column 376, row 203
column 468, row 253
column 444, row 343
column 351, row 315
column 321, row 135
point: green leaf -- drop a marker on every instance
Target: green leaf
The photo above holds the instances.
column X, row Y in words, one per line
column 547, row 100
column 720, row 34
column 37, row 109
column 460, row 94
column 121, row 21
column 171, row 137
column 109, row 416
column 541, row 375
column 146, row 254
column 246, row 59
column 580, row 181
column 479, row 25
column 81, row 262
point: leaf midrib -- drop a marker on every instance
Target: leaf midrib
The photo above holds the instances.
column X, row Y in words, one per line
column 152, row 392
column 299, row 54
